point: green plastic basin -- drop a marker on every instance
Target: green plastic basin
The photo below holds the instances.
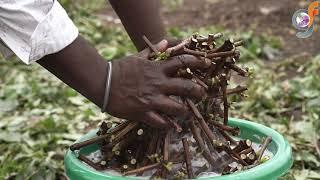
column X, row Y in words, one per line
column 278, row 165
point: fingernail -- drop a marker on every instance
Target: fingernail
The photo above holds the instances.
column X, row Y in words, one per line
column 162, row 45
column 207, row 61
column 205, row 96
column 163, row 41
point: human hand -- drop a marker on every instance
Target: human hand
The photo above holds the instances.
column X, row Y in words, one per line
column 140, row 88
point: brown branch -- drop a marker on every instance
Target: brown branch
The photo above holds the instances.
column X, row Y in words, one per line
column 227, row 137
column 242, row 144
column 139, row 152
column 174, row 124
column 251, row 157
column 194, row 52
column 202, row 39
column 238, row 43
column 90, row 163
column 221, row 54
column 208, row 142
column 206, row 154
column 236, row 90
column 119, row 127
column 151, row 46
column 225, row 99
column 120, row 135
column 194, row 109
column 210, row 39
column 187, row 157
column 203, row 124
column 166, row 144
column 142, row 169
column 246, row 151
column 210, row 72
column 201, row 83
column 152, row 147
column 233, row 130
column 193, row 43
column 234, row 155
column 88, row 142
column 122, row 142
column 159, row 144
column 178, row 47
column 238, row 69
column 214, row 50
column 264, row 146
column 217, row 35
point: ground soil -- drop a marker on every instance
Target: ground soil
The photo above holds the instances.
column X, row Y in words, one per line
column 264, row 16
column 272, row 17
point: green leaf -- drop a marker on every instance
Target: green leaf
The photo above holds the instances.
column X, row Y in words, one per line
column 6, row 106
column 304, row 130
column 10, row 137
column 307, row 174
column 308, row 158
column 77, row 100
column 108, row 52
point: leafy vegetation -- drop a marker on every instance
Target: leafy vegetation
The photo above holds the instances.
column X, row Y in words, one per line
column 40, row 116
column 285, row 96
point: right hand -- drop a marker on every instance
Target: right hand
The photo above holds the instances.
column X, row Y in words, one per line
column 140, row 88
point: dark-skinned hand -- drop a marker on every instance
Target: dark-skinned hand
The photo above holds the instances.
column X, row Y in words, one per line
column 140, row 88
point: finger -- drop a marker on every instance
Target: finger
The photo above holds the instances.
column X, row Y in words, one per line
column 169, row 106
column 185, row 61
column 184, row 88
column 155, row 120
column 160, row 46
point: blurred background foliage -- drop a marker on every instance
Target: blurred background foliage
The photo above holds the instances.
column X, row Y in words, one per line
column 40, row 116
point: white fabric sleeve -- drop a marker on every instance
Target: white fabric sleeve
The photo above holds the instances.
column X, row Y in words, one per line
column 35, row 28
column 5, row 51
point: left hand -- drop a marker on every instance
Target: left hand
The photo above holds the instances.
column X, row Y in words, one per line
column 140, row 88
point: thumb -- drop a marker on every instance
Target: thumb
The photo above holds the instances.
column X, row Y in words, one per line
column 162, row 45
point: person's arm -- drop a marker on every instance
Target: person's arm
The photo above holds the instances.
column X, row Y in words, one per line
column 139, row 90
column 81, row 67
column 140, row 18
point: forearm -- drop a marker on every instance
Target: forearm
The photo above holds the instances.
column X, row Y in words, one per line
column 81, row 67
column 140, row 18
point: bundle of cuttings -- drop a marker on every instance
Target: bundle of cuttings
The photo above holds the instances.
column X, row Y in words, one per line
column 201, row 145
